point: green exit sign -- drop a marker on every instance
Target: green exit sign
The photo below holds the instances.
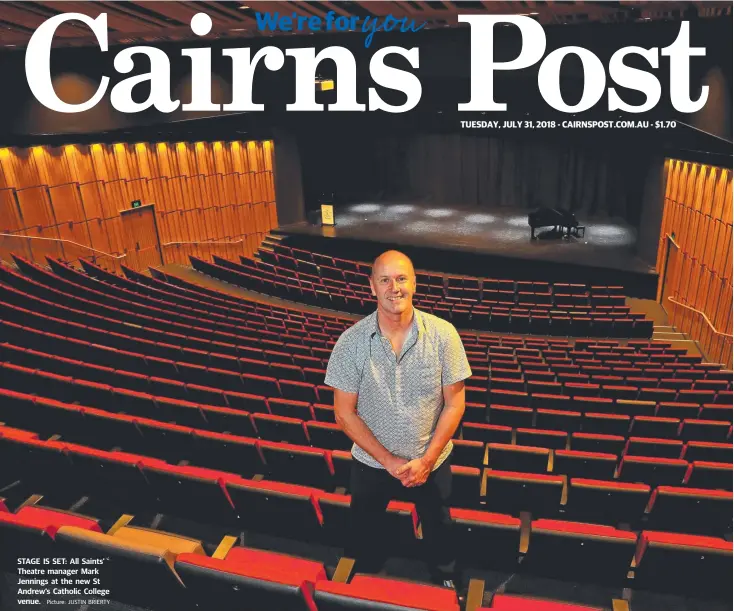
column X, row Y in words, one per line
column 137, row 203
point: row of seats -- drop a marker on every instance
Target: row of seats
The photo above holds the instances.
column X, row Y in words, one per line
column 71, row 300
column 553, row 433
column 579, row 362
column 431, row 278
column 69, row 382
column 621, row 417
column 333, row 288
column 169, row 569
column 488, row 341
column 163, row 570
column 511, row 344
column 493, row 293
column 280, row 255
column 657, row 389
column 176, row 379
column 508, row 490
column 470, row 387
column 356, row 285
column 593, row 552
column 502, row 317
column 138, row 362
column 307, row 389
column 246, row 455
column 508, row 357
column 629, row 352
column 470, row 450
column 48, row 316
column 630, row 467
column 194, row 383
column 507, row 391
column 176, row 294
column 295, row 367
column 147, row 344
column 136, row 393
column 169, row 436
column 295, row 421
column 279, row 419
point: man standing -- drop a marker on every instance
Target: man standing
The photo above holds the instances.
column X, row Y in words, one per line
column 398, row 378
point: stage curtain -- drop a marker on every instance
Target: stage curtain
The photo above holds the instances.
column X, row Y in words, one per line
column 469, row 170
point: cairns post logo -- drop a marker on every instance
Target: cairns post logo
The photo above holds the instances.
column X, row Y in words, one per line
column 272, row 22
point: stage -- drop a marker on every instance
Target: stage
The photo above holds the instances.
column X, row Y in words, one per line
column 494, row 243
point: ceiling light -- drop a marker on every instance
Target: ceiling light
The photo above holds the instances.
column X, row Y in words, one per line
column 244, row 6
column 237, row 30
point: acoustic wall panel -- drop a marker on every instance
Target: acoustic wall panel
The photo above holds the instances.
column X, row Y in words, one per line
column 210, row 198
column 695, row 254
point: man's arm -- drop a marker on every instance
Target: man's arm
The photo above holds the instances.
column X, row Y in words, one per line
column 454, row 397
column 345, row 408
column 418, row 470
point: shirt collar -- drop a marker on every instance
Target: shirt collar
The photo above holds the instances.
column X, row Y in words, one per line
column 419, row 325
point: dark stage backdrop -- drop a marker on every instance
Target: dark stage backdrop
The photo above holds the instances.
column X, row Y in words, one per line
column 474, row 170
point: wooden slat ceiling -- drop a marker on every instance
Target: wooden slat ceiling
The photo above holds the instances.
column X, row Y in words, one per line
column 160, row 21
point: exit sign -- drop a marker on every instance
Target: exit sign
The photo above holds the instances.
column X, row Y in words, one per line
column 137, row 203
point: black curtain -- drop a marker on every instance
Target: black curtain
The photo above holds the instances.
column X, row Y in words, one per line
column 601, row 181
column 487, row 172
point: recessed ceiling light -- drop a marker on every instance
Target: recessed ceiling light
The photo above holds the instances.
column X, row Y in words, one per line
column 237, row 30
column 244, row 6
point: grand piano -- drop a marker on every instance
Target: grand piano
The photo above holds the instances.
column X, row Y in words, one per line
column 560, row 220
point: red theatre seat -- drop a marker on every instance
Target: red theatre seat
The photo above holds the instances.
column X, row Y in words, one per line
column 250, row 578
column 653, row 471
column 512, row 492
column 592, row 465
column 33, row 529
column 689, row 564
column 609, row 502
column 690, row 510
column 476, row 532
column 585, row 552
column 366, row 592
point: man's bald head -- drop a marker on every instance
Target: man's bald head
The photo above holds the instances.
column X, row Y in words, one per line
column 393, row 283
column 390, row 258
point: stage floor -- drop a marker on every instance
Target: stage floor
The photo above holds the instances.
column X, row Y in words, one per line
column 505, row 233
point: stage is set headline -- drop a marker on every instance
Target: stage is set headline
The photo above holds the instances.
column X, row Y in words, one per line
column 483, row 98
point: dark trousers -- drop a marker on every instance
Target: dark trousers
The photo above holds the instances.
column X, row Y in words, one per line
column 372, row 490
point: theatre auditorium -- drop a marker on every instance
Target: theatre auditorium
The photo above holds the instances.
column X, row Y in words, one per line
column 173, row 283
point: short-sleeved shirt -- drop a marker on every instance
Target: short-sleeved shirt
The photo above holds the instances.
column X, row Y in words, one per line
column 400, row 398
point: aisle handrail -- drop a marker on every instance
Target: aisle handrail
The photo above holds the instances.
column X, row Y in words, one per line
column 706, row 318
column 64, row 241
column 213, row 242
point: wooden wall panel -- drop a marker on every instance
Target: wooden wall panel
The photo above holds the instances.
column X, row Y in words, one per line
column 11, row 223
column 39, row 223
column 98, row 226
column 70, row 220
column 210, row 197
column 698, row 218
column 80, row 163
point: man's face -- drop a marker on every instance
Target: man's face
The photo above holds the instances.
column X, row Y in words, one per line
column 393, row 283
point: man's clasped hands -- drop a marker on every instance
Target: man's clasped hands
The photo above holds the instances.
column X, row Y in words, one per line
column 411, row 473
